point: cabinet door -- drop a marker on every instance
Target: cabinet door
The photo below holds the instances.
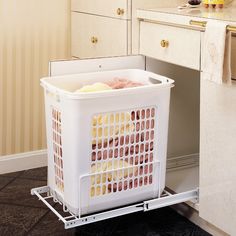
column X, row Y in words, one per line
column 111, row 37
column 218, row 155
column 119, row 9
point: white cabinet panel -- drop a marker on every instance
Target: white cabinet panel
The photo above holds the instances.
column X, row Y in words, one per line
column 118, row 9
column 218, row 155
column 111, row 35
column 69, row 67
column 183, row 44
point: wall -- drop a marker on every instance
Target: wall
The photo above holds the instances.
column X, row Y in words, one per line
column 32, row 32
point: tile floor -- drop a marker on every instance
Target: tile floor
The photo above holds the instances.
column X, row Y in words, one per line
column 23, row 214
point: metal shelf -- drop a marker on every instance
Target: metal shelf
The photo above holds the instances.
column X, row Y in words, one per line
column 70, row 220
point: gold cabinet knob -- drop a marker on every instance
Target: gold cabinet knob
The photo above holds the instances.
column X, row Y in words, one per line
column 120, row 11
column 164, row 43
column 94, row 40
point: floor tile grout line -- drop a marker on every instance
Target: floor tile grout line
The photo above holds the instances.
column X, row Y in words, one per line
column 20, row 205
column 14, row 178
column 32, row 178
column 36, row 223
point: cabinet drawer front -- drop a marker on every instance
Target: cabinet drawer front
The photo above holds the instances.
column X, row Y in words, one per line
column 95, row 36
column 171, row 44
column 103, row 7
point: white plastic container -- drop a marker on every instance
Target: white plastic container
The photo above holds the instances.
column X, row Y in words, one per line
column 106, row 149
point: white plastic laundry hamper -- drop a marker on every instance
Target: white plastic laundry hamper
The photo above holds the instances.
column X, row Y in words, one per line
column 108, row 148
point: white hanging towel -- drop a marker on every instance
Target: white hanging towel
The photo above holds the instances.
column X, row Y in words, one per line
column 216, row 57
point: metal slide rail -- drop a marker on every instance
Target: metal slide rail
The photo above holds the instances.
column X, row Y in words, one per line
column 70, row 220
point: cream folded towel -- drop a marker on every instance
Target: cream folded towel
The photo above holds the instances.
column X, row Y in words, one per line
column 216, row 65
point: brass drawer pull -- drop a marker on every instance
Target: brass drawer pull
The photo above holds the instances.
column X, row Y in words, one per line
column 164, row 43
column 94, row 40
column 120, row 12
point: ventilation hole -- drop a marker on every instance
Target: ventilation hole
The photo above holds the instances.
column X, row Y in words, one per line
column 143, row 125
column 120, row 186
column 126, row 185
column 109, row 177
column 104, row 144
column 153, row 112
column 146, row 158
column 148, row 113
column 110, row 153
column 94, row 144
column 137, row 126
column 142, row 148
column 145, row 180
column 141, row 170
column 151, row 146
column 126, row 151
column 133, row 115
column 114, row 187
column 132, row 138
column 104, row 178
column 98, row 190
column 121, row 152
column 127, row 140
column 152, row 123
column 131, row 150
column 143, row 114
column 150, row 179
column 93, row 157
column 92, row 192
column 130, row 184
column 137, row 115
column 98, row 179
column 150, row 168
column 151, row 157
column 99, row 156
column 103, row 189
column 104, row 155
column 142, row 137
column 141, row 181
column 141, row 159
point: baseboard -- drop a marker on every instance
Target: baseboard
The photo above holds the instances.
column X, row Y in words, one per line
column 23, row 161
column 35, row 159
column 180, row 162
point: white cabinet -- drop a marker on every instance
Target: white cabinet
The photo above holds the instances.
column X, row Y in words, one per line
column 218, row 155
column 217, row 174
column 95, row 39
column 116, row 9
column 113, row 25
column 170, row 44
column 100, row 28
column 218, row 151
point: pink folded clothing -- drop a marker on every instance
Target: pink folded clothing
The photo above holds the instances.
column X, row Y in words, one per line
column 121, row 83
